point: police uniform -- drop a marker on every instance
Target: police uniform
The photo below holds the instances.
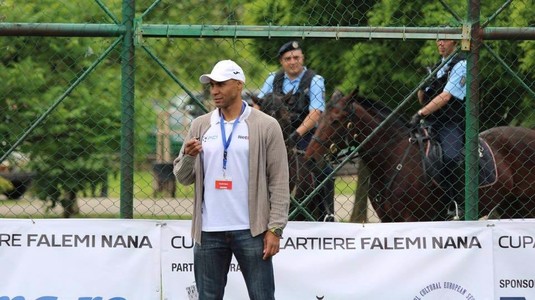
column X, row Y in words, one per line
column 309, row 94
column 448, row 125
column 308, row 97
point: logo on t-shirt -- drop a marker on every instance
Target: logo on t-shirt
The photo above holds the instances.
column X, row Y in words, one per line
column 207, row 138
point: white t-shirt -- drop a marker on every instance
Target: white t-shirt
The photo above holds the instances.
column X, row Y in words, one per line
column 226, row 209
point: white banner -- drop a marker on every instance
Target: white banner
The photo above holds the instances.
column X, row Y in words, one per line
column 79, row 259
column 148, row 259
column 514, row 260
column 386, row 261
column 354, row 261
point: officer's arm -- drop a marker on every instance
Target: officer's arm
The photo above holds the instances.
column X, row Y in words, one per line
column 310, row 122
column 437, row 103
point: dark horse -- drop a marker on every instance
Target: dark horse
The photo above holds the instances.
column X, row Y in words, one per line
column 399, row 190
column 302, row 181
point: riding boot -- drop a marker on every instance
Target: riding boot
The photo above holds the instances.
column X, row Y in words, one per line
column 453, row 184
column 458, row 187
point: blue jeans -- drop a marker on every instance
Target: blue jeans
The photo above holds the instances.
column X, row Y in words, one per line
column 212, row 262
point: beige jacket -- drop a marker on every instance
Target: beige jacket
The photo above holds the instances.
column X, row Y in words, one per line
column 269, row 195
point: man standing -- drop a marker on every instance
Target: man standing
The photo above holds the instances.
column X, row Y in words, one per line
column 443, row 108
column 236, row 158
column 306, row 106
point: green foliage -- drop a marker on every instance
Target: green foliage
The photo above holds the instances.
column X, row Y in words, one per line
column 79, row 140
column 78, row 144
column 390, row 70
column 321, row 55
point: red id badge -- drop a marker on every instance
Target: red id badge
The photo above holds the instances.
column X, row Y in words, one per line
column 223, row 184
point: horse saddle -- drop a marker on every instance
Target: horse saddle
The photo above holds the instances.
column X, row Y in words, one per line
column 433, row 162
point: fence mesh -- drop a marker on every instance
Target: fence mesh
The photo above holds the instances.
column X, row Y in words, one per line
column 61, row 100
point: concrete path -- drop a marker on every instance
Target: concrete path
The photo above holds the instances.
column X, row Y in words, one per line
column 165, row 207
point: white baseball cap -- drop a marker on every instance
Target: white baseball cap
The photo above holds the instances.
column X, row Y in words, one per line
column 223, row 71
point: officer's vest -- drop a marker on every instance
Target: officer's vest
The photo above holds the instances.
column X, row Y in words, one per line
column 299, row 103
column 455, row 108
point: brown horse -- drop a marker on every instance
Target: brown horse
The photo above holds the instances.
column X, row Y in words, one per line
column 302, row 181
column 399, row 190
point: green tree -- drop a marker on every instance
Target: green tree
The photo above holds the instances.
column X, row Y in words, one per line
column 324, row 56
column 77, row 145
column 390, row 69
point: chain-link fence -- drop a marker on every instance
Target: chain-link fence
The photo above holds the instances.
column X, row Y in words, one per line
column 96, row 97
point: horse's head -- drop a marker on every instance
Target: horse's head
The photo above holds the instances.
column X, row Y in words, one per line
column 347, row 122
column 336, row 127
column 274, row 105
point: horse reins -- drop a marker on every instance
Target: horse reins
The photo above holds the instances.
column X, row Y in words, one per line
column 414, row 138
column 397, row 170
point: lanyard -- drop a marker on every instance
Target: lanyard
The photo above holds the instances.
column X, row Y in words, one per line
column 226, row 143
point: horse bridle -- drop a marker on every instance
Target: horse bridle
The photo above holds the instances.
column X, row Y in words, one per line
column 350, row 141
column 332, row 147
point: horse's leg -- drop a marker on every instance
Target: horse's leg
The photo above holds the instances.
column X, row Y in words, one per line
column 308, row 183
column 305, row 182
column 295, row 189
column 360, row 206
column 321, row 206
column 325, row 197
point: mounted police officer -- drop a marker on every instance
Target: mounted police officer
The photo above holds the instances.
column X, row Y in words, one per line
column 306, row 105
column 443, row 108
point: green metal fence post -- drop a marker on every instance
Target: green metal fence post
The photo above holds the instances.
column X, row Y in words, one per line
column 472, row 112
column 127, row 111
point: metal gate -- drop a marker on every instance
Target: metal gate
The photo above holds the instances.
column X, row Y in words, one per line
column 80, row 150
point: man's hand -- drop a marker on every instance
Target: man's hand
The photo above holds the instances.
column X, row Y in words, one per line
column 415, row 119
column 293, row 139
column 192, row 147
column 271, row 245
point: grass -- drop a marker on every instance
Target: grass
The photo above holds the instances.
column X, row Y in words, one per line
column 144, row 186
column 144, row 181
